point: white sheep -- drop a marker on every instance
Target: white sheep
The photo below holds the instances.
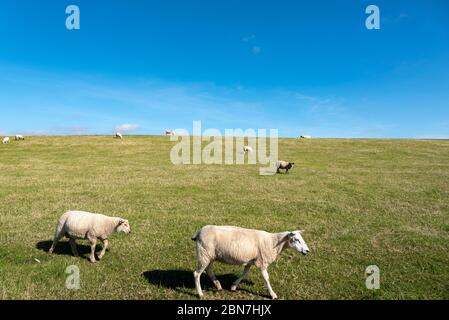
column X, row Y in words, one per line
column 19, row 137
column 119, row 135
column 305, row 137
column 247, row 149
column 85, row 225
column 5, row 140
column 239, row 246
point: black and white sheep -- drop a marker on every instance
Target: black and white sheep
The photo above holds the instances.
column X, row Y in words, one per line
column 285, row 165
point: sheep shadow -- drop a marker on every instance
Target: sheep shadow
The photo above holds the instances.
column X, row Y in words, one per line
column 182, row 280
column 63, row 248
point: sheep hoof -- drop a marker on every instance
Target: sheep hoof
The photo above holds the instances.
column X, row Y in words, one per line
column 234, row 288
column 274, row 297
column 93, row 260
column 200, row 296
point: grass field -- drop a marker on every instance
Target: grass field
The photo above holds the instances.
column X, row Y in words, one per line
column 361, row 202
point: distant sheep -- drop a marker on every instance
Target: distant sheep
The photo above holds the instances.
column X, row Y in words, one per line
column 119, row 135
column 305, row 137
column 5, row 140
column 284, row 165
column 247, row 149
column 85, row 225
column 19, row 137
column 170, row 132
column 239, row 246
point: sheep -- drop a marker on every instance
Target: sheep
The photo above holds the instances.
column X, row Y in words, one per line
column 119, row 135
column 247, row 149
column 85, row 225
column 305, row 137
column 170, row 132
column 5, row 140
column 284, row 165
column 239, row 246
column 19, row 137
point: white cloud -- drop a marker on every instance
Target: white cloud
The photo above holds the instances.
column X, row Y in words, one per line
column 256, row 50
column 248, row 38
column 301, row 96
column 126, row 127
column 153, row 103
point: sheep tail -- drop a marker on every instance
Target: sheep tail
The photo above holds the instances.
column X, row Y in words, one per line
column 195, row 237
column 60, row 226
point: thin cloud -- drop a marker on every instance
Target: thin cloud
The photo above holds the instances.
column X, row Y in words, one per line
column 248, row 38
column 256, row 50
column 101, row 105
column 301, row 96
column 127, row 127
column 395, row 19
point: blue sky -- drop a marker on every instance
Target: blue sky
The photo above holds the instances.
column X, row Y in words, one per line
column 303, row 67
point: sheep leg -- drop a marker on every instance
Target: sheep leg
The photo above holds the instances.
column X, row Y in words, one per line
column 212, row 276
column 105, row 246
column 266, row 278
column 55, row 241
column 73, row 246
column 197, row 275
column 93, row 244
column 243, row 277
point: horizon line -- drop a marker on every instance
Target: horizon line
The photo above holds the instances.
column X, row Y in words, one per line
column 280, row 137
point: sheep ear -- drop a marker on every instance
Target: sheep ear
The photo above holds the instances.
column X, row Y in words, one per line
column 121, row 221
column 289, row 235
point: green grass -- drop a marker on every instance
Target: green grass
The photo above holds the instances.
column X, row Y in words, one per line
column 361, row 202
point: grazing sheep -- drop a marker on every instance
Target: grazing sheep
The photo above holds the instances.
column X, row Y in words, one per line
column 247, row 149
column 170, row 132
column 85, row 225
column 305, row 137
column 119, row 135
column 284, row 165
column 239, row 246
column 5, row 140
column 19, row 137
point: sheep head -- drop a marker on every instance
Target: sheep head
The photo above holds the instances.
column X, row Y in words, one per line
column 123, row 226
column 295, row 241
